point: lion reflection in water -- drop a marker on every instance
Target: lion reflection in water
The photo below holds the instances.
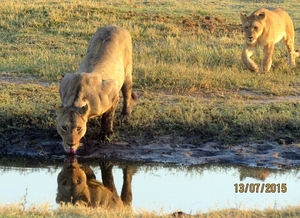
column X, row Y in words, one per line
column 77, row 185
column 258, row 174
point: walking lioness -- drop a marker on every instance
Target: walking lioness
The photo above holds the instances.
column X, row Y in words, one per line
column 94, row 89
column 266, row 28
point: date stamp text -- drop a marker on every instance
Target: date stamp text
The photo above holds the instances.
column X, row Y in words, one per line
column 260, row 187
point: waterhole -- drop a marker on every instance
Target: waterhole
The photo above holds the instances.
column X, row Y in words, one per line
column 160, row 187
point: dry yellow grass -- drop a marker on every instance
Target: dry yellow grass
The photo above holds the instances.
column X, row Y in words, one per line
column 14, row 210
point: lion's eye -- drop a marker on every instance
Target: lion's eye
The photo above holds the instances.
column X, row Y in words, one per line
column 255, row 28
column 79, row 129
column 78, row 181
column 64, row 128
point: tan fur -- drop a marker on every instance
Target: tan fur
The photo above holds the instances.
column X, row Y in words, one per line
column 266, row 28
column 94, row 89
column 77, row 185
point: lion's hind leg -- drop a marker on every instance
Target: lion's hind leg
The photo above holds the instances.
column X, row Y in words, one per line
column 292, row 57
column 292, row 54
column 126, row 193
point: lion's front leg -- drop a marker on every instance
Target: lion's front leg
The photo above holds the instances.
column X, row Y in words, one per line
column 107, row 176
column 267, row 59
column 248, row 51
column 107, row 121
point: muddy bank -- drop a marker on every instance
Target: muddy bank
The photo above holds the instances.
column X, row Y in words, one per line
column 262, row 154
column 163, row 149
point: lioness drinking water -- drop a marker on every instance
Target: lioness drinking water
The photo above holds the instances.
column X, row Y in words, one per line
column 94, row 89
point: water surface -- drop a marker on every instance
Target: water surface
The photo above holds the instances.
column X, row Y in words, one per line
column 167, row 188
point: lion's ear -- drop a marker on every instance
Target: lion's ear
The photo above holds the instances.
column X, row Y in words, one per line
column 88, row 172
column 243, row 17
column 63, row 88
column 261, row 16
column 59, row 199
column 84, row 109
column 59, row 110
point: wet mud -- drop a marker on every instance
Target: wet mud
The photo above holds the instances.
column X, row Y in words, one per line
column 164, row 149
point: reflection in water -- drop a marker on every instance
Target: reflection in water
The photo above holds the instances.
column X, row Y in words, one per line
column 259, row 174
column 77, row 184
column 156, row 187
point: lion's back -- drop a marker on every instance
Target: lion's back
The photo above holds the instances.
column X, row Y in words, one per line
column 110, row 48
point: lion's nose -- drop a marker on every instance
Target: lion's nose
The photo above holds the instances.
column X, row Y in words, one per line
column 71, row 144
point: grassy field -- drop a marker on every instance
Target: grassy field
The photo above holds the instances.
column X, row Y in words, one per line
column 187, row 73
column 187, row 68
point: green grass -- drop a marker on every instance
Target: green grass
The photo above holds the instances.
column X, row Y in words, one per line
column 187, row 67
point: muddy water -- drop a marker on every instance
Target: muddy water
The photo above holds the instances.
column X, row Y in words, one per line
column 166, row 188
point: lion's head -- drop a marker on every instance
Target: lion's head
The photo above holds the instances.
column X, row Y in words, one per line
column 71, row 126
column 253, row 25
column 72, row 185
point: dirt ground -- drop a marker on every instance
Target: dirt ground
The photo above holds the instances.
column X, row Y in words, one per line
column 164, row 149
